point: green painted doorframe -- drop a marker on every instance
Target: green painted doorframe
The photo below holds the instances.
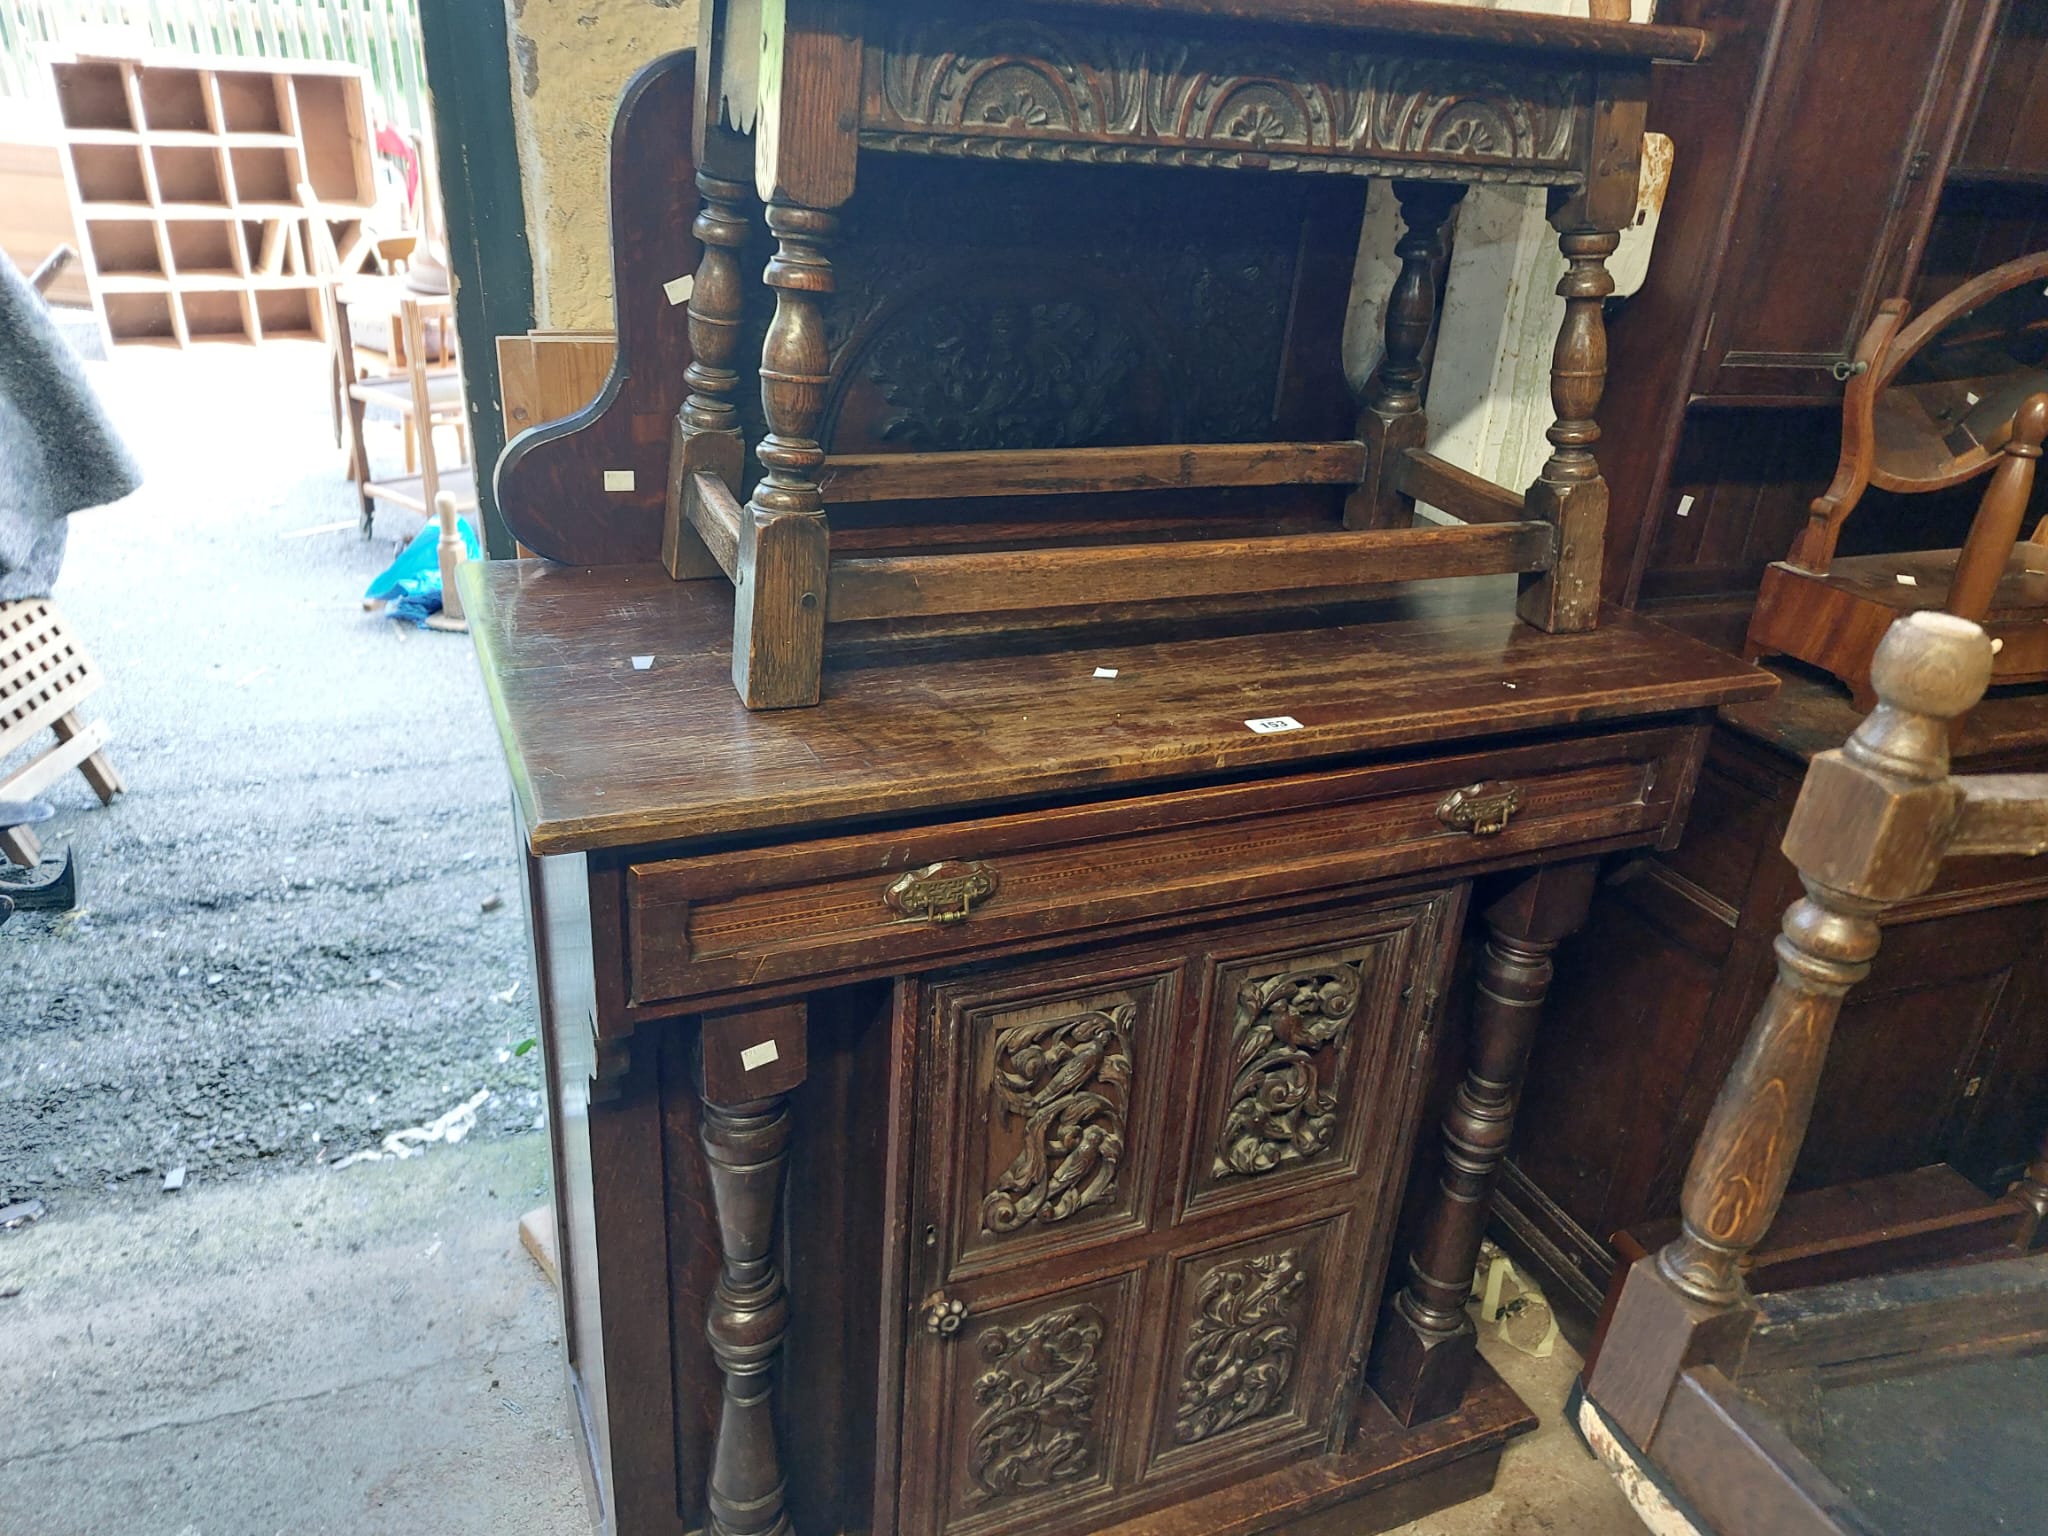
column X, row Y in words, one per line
column 469, row 80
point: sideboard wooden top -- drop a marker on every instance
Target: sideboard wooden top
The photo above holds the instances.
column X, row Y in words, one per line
column 606, row 755
column 1416, row 18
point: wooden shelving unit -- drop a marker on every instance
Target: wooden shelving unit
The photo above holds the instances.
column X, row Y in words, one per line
column 192, row 180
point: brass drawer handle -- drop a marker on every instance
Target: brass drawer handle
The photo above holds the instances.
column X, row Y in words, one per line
column 1482, row 809
column 942, row 893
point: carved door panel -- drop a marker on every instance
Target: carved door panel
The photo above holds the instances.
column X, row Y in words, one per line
column 1153, row 1198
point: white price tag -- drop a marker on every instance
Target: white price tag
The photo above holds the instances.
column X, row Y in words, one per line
column 679, row 289
column 759, row 1055
column 618, row 479
column 1685, row 506
column 1272, row 725
column 642, row 663
column 1907, row 581
column 1105, row 671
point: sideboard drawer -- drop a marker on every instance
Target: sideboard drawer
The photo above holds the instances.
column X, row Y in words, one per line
column 896, row 900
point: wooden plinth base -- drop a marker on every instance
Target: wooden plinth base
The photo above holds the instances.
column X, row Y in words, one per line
column 1390, row 1475
column 1835, row 621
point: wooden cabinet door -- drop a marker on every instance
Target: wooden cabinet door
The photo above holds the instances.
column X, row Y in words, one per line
column 1153, row 1194
column 1856, row 115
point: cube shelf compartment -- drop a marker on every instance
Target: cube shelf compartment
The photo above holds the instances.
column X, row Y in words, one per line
column 193, row 181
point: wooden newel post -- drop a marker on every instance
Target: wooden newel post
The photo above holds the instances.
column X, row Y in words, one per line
column 1393, row 421
column 1571, row 493
column 1872, row 823
column 1423, row 1350
column 747, row 1062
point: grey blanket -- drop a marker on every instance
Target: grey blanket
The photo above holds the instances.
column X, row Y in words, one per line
column 58, row 451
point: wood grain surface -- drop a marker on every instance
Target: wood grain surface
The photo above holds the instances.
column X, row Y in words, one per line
column 596, row 745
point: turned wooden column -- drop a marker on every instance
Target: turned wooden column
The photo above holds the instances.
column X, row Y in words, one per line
column 1987, row 551
column 1422, row 1353
column 747, row 1063
column 2032, row 1192
column 707, row 427
column 1570, row 494
column 1869, row 831
column 778, row 642
column 1393, row 421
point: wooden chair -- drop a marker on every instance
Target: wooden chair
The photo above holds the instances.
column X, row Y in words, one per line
column 1918, row 438
column 44, row 676
column 423, row 393
column 1718, row 1395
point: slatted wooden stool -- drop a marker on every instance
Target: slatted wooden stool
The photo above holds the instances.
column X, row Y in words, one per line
column 44, row 676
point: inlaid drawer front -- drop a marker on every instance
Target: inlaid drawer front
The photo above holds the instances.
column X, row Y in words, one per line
column 876, row 902
column 1055, row 1142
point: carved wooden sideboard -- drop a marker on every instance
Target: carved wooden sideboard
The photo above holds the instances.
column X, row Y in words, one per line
column 982, row 1103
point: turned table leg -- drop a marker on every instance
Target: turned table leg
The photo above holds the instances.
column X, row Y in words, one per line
column 1393, row 421
column 748, row 1062
column 778, row 643
column 2032, row 1192
column 1571, row 494
column 707, row 428
column 1422, row 1354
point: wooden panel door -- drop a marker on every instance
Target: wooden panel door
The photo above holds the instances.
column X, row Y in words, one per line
column 1857, row 120
column 1152, row 1199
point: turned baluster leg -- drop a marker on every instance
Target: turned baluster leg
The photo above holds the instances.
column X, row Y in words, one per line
column 745, row 1133
column 1570, row 494
column 779, row 616
column 707, row 428
column 1393, row 421
column 1868, row 831
column 1422, row 1353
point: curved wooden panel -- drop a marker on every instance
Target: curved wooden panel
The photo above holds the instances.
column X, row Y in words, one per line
column 553, row 479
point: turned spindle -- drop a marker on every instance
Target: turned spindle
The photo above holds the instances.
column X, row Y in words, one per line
column 707, row 427
column 1987, row 551
column 1570, row 493
column 779, row 614
column 1869, row 831
column 1393, row 421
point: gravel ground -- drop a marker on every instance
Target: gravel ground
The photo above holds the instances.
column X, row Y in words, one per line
column 285, row 952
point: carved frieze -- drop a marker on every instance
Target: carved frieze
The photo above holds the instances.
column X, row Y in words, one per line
column 1241, row 1346
column 1036, row 1428
column 1008, row 89
column 1287, row 1036
column 1068, row 1079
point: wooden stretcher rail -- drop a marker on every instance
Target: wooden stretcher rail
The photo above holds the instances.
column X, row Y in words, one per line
column 1461, row 493
column 715, row 513
column 1069, row 471
column 1011, row 581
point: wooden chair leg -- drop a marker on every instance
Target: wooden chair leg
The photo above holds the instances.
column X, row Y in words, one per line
column 778, row 646
column 1393, row 421
column 98, row 768
column 19, row 845
column 1571, row 494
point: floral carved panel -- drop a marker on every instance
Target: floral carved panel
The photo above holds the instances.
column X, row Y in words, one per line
column 1067, row 1080
column 1239, row 1359
column 1035, row 1425
column 1024, row 89
column 1287, row 1037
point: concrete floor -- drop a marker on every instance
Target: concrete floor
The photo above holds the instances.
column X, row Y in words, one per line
column 286, row 956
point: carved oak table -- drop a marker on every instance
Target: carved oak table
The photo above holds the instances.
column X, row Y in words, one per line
column 982, row 1103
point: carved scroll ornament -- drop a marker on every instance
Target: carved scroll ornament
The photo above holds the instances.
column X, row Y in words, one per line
column 1241, row 1347
column 1036, row 1428
column 1027, row 90
column 1069, row 1080
column 1286, row 1038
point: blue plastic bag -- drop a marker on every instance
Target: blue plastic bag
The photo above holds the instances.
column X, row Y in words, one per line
column 411, row 584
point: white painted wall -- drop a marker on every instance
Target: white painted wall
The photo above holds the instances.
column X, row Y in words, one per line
column 1489, row 387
